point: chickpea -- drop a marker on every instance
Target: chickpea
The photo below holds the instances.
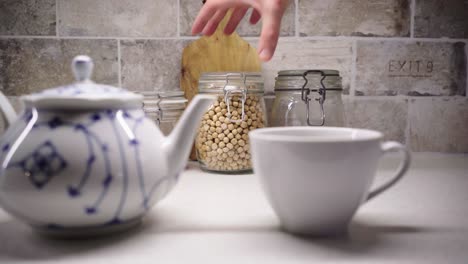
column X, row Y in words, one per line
column 222, row 143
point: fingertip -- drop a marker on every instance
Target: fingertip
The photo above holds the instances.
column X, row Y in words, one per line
column 208, row 31
column 198, row 27
column 265, row 55
column 194, row 29
column 194, row 32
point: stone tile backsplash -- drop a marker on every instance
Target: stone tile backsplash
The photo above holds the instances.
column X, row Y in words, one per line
column 123, row 18
column 316, row 54
column 403, row 62
column 26, row 17
column 31, row 65
column 151, row 64
column 189, row 10
column 386, row 18
column 410, row 68
column 385, row 114
column 438, row 124
column 441, row 18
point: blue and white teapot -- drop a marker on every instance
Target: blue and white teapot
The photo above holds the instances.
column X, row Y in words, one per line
column 84, row 157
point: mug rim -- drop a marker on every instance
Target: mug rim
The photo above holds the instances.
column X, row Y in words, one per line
column 266, row 134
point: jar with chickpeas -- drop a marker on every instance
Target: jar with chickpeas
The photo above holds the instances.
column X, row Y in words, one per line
column 222, row 143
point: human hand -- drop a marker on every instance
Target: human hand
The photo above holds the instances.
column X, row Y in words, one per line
column 270, row 11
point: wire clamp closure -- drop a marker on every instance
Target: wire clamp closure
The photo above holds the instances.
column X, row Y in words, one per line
column 230, row 91
column 307, row 98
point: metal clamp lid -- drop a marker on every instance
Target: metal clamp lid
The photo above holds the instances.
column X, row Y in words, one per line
column 158, row 102
column 229, row 90
column 306, row 96
column 291, row 78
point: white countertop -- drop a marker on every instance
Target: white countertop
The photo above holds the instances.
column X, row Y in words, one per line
column 211, row 218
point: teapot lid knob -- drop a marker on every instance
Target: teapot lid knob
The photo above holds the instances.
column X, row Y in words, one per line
column 82, row 67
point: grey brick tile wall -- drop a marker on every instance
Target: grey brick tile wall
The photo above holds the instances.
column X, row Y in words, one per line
column 27, row 17
column 404, row 67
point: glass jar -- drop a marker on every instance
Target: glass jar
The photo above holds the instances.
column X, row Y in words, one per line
column 164, row 108
column 222, row 144
column 308, row 98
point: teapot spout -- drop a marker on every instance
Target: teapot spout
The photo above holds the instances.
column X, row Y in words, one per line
column 178, row 144
column 7, row 110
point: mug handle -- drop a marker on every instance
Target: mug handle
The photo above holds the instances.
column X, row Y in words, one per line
column 387, row 147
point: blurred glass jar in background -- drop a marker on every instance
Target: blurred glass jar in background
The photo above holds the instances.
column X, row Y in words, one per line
column 222, row 142
column 308, row 98
column 164, row 108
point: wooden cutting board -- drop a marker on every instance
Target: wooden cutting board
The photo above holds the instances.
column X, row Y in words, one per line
column 217, row 53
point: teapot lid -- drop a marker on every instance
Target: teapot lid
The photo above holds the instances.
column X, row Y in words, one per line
column 84, row 93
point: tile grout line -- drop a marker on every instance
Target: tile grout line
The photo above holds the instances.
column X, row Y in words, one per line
column 296, row 18
column 412, row 18
column 57, row 19
column 352, row 89
column 408, row 124
column 119, row 63
column 402, row 39
column 351, row 38
column 92, row 37
column 466, row 66
column 178, row 18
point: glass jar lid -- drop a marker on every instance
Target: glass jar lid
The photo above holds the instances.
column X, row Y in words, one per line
column 308, row 79
column 221, row 81
column 313, row 85
column 164, row 100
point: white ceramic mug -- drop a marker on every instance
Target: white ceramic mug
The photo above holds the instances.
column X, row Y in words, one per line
column 315, row 178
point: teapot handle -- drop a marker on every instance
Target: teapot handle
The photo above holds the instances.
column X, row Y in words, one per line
column 7, row 110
